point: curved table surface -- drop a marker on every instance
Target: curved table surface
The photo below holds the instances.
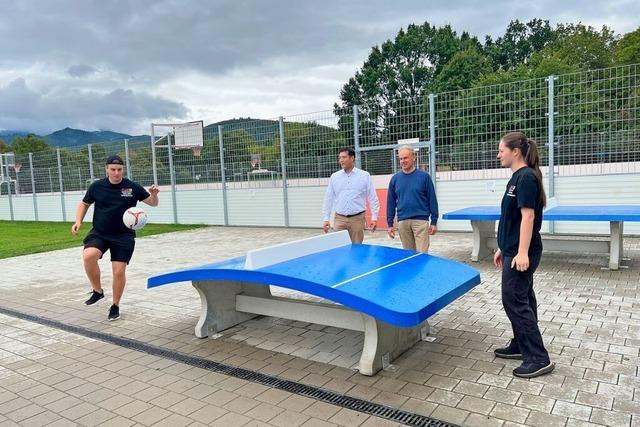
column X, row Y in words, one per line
column 608, row 213
column 394, row 285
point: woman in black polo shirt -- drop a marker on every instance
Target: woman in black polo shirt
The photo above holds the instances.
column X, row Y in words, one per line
column 520, row 249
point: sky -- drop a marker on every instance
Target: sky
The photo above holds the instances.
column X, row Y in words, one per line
column 121, row 65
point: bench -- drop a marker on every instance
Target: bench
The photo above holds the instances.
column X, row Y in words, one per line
column 385, row 292
column 483, row 223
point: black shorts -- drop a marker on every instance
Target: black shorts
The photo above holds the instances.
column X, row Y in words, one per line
column 121, row 246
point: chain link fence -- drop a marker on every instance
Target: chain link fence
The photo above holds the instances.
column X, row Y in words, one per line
column 382, row 129
column 598, row 121
column 470, row 123
column 312, row 142
column 591, row 118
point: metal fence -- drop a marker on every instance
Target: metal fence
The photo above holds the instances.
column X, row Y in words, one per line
column 585, row 123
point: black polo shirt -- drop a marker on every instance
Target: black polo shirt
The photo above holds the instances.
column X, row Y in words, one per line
column 522, row 192
column 111, row 202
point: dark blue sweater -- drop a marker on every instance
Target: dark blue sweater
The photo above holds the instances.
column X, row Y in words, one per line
column 414, row 197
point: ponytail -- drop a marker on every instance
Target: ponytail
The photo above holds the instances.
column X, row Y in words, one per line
column 529, row 149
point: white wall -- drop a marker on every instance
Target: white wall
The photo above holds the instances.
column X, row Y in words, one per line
column 603, row 189
column 305, row 206
column 265, row 206
column 194, row 207
column 71, row 202
column 49, row 207
column 23, row 205
column 454, row 195
column 5, row 212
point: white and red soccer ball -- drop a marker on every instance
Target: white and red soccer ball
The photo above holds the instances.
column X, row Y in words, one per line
column 134, row 218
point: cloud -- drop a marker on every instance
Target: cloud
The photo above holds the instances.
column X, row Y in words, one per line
column 158, row 37
column 81, row 70
column 22, row 107
column 199, row 59
column 151, row 39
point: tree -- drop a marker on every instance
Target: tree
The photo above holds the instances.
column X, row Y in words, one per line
column 627, row 50
column 462, row 70
column 4, row 148
column 392, row 86
column 519, row 42
column 405, row 67
column 29, row 144
column 583, row 47
column 546, row 66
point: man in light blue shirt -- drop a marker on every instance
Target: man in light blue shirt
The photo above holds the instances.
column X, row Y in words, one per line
column 347, row 194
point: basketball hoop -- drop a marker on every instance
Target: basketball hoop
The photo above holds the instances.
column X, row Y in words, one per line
column 197, row 150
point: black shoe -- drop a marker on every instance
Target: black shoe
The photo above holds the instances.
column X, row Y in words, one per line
column 509, row 352
column 114, row 312
column 533, row 369
column 94, row 298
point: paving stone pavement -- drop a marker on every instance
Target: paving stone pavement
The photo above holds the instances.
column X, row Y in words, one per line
column 589, row 318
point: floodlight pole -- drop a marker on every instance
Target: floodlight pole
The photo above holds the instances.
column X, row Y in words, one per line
column 9, row 195
column 153, row 155
column 33, row 188
column 7, row 181
column 91, row 173
column 551, row 149
column 432, row 139
column 173, row 181
column 223, row 177
column 62, row 204
column 283, row 169
column 356, row 136
column 126, row 159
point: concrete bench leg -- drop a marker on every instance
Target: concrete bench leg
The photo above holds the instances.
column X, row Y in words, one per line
column 384, row 342
column 482, row 232
column 219, row 304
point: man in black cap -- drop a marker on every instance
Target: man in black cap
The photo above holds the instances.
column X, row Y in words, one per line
column 112, row 196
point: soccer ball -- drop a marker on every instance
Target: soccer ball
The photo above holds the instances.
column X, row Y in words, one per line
column 134, row 218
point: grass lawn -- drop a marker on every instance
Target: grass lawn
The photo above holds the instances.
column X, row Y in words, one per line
column 30, row 237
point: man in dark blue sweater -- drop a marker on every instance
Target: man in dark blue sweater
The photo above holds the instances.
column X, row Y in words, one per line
column 413, row 197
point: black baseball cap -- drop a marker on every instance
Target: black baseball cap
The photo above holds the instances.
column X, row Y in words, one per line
column 114, row 160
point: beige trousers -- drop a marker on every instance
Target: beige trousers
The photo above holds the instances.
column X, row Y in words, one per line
column 414, row 234
column 355, row 225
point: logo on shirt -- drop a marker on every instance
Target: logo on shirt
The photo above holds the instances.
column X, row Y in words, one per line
column 126, row 192
column 511, row 190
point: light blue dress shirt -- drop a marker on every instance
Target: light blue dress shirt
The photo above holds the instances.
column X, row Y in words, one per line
column 347, row 194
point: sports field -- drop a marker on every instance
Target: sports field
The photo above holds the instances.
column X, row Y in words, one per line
column 30, row 237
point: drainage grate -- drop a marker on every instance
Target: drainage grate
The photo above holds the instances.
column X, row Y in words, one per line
column 316, row 393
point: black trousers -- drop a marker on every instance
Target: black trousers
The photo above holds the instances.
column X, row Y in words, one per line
column 519, row 302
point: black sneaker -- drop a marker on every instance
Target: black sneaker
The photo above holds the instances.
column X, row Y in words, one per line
column 533, row 369
column 94, row 298
column 509, row 352
column 114, row 312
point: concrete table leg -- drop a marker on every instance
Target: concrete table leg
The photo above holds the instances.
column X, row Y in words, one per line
column 219, row 304
column 616, row 246
column 482, row 232
column 383, row 343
